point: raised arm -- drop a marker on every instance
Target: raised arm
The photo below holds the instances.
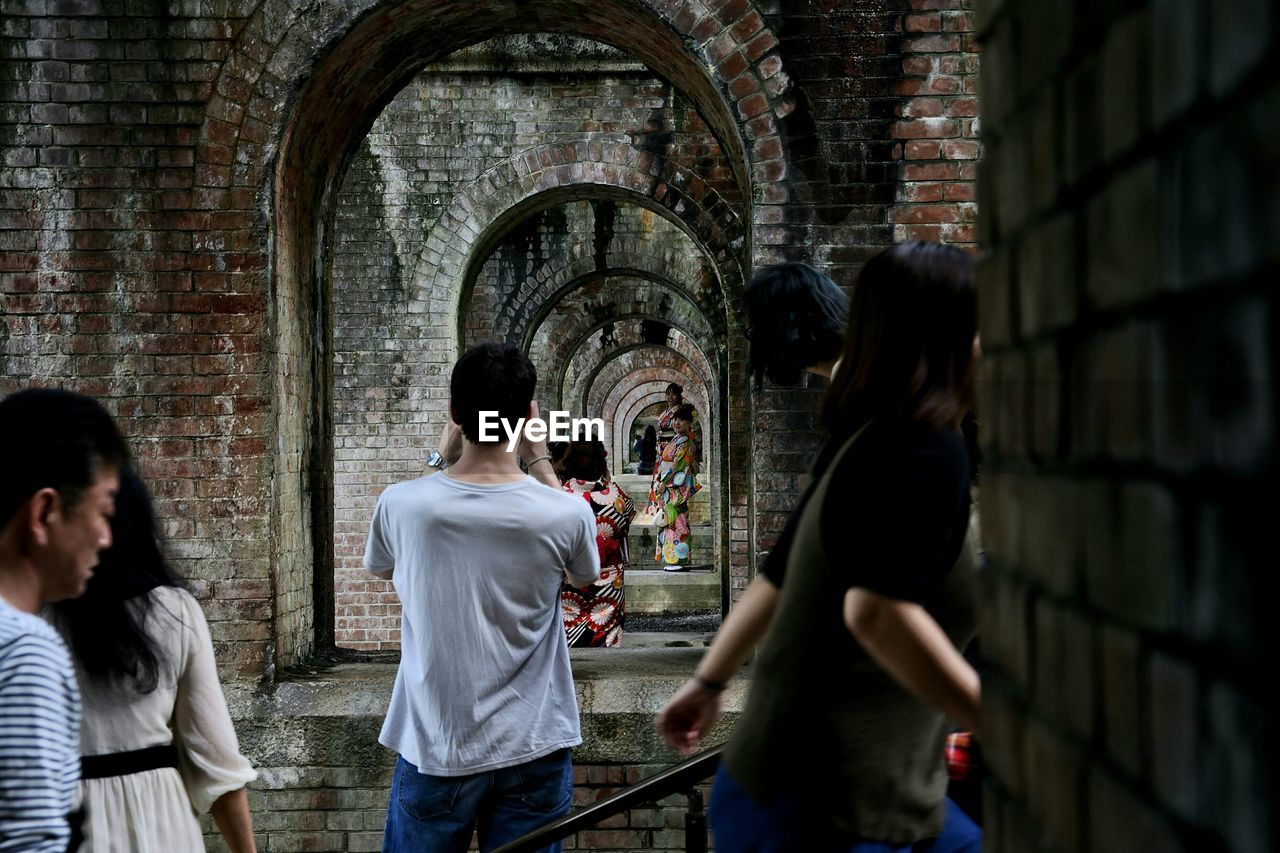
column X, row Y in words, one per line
column 693, row 709
column 536, row 457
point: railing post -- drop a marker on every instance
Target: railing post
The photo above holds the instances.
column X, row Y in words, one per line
column 695, row 823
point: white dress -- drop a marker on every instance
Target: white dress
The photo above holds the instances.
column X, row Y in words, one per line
column 155, row 811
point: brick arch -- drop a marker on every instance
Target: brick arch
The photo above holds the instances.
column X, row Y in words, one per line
column 591, row 386
column 624, row 370
column 631, row 398
column 576, row 318
column 714, row 322
column 298, row 91
column 656, row 250
column 654, row 381
column 575, row 363
column 636, row 400
column 544, row 177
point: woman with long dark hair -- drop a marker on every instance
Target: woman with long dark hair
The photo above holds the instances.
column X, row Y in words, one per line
column 156, row 740
column 867, row 598
column 593, row 615
column 648, row 451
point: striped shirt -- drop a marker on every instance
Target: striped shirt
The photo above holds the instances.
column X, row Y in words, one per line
column 39, row 734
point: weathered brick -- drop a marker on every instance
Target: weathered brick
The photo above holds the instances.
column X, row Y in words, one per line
column 1121, row 822
column 1122, row 698
column 1175, row 735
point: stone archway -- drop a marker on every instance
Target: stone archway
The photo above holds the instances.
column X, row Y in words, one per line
column 262, row 148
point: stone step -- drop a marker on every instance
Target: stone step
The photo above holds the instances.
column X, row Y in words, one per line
column 650, row 591
column 640, row 544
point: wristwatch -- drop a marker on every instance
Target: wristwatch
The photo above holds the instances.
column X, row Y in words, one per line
column 435, row 460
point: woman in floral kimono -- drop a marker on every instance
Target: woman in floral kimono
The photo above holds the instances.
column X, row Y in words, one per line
column 672, row 488
column 593, row 614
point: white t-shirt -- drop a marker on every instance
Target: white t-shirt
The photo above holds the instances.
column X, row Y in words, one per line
column 484, row 679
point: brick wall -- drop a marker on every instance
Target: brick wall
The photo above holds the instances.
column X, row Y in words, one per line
column 1128, row 403
column 169, row 180
column 559, row 267
column 345, row 808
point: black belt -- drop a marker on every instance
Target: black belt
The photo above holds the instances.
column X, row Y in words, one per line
column 125, row 763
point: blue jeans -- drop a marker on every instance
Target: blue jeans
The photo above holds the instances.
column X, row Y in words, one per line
column 741, row 825
column 439, row 813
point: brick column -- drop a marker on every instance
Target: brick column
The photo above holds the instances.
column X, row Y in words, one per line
column 1129, row 217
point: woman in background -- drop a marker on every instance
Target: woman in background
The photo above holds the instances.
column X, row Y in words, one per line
column 674, row 485
column 874, row 568
column 593, row 614
column 648, row 451
column 156, row 740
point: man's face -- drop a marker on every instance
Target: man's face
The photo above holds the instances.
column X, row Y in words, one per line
column 76, row 537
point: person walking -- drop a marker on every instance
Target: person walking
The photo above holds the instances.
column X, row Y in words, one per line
column 56, row 496
column 483, row 711
column 876, row 570
column 157, row 744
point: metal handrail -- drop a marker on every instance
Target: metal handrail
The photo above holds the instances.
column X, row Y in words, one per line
column 676, row 779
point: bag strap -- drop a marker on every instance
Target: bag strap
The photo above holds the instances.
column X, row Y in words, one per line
column 844, row 450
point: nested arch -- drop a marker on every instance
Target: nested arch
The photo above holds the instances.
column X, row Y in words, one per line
column 592, row 383
column 573, row 323
column 645, row 364
column 628, row 399
column 547, row 257
column 632, row 404
column 301, row 88
column 609, row 296
column 584, row 360
column 465, row 236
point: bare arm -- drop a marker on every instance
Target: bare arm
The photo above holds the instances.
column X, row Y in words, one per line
column 692, row 710
column 231, row 814
column 903, row 638
column 536, row 456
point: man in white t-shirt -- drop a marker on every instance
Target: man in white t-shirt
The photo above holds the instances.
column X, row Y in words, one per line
column 483, row 713
column 57, row 495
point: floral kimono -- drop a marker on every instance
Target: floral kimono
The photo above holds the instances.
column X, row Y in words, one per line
column 593, row 614
column 672, row 488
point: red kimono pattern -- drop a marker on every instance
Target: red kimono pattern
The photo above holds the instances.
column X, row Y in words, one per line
column 593, row 614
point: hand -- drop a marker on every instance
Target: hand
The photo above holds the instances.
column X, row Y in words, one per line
column 530, row 450
column 451, row 441
column 688, row 715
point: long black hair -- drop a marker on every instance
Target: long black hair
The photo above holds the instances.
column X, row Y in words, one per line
column 585, row 460
column 796, row 318
column 649, row 447
column 105, row 626
column 909, row 351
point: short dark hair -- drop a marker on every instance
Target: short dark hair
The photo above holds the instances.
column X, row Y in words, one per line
column 796, row 318
column 676, row 388
column 54, row 439
column 584, row 460
column 909, row 351
column 683, row 412
column 491, row 377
